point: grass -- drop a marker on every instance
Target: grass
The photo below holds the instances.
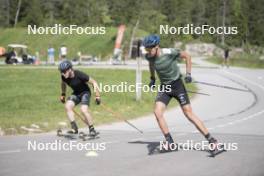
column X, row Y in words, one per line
column 32, row 96
column 247, row 61
column 97, row 45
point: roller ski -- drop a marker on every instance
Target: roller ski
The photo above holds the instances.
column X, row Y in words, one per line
column 92, row 135
column 167, row 146
column 71, row 134
column 215, row 148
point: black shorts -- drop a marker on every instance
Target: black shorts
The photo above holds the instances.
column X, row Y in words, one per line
column 83, row 98
column 177, row 91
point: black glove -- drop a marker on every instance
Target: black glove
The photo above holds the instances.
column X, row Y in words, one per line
column 188, row 78
column 152, row 82
column 62, row 98
column 98, row 100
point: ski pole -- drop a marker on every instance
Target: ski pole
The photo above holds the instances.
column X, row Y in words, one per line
column 198, row 93
column 119, row 117
column 221, row 86
column 79, row 115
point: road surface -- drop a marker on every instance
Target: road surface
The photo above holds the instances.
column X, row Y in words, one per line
column 233, row 117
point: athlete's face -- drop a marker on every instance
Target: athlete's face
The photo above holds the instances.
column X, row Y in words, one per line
column 152, row 52
column 67, row 73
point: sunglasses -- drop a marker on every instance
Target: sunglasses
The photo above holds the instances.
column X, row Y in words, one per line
column 65, row 71
column 149, row 49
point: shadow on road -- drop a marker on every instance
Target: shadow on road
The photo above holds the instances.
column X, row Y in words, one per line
column 154, row 148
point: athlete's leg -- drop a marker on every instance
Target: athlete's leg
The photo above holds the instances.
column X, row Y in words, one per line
column 223, row 62
column 69, row 105
column 85, row 101
column 159, row 113
column 227, row 62
column 69, row 110
column 88, row 119
column 162, row 100
column 86, row 114
column 187, row 110
column 183, row 99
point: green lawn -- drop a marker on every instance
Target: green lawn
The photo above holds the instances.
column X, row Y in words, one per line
column 97, row 45
column 247, row 61
column 32, row 96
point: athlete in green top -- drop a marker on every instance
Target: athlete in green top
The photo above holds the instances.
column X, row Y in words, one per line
column 166, row 65
column 164, row 62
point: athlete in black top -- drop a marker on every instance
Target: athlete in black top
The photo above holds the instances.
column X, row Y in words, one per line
column 77, row 80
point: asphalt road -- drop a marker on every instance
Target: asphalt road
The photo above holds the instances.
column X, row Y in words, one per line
column 233, row 117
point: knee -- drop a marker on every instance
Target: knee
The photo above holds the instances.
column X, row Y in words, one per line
column 187, row 112
column 84, row 109
column 68, row 107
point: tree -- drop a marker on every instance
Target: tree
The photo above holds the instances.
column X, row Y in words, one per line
column 17, row 12
column 4, row 13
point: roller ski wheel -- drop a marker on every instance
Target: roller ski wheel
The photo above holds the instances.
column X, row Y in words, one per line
column 90, row 136
column 172, row 147
column 69, row 134
column 59, row 133
column 216, row 149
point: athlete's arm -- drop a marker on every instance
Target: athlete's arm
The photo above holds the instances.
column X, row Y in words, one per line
column 152, row 74
column 151, row 70
column 63, row 87
column 95, row 87
column 63, row 91
column 188, row 60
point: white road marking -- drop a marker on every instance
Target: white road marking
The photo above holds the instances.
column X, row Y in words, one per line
column 245, row 118
column 244, row 79
column 10, row 151
column 112, row 142
column 241, row 120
